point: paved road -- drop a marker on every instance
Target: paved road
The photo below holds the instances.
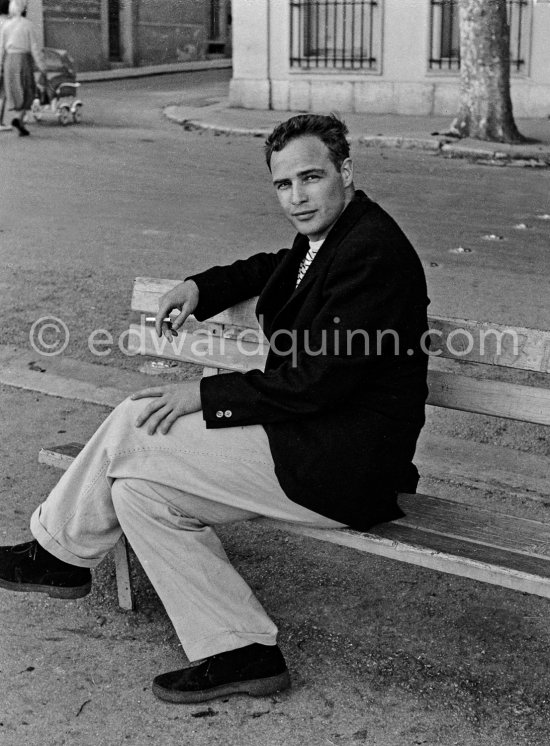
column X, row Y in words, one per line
column 86, row 208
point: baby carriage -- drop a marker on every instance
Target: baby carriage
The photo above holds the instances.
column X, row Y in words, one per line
column 56, row 89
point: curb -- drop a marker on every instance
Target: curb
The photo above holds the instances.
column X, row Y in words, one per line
column 407, row 143
column 189, row 123
column 529, row 158
column 189, row 120
column 533, row 158
column 142, row 72
column 68, row 378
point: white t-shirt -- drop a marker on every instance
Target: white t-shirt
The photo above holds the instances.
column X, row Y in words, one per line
column 314, row 247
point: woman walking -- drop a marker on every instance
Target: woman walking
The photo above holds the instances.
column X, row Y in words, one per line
column 19, row 47
column 4, row 10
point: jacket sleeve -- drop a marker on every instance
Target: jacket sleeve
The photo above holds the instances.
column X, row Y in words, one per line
column 365, row 296
column 223, row 286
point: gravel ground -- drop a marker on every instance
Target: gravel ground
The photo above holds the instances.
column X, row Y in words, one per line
column 380, row 653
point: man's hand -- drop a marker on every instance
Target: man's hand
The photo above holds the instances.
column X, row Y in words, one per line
column 185, row 298
column 169, row 402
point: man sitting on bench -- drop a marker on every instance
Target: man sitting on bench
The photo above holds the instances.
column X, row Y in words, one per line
column 325, row 436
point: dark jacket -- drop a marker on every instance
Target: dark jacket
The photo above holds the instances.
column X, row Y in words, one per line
column 342, row 424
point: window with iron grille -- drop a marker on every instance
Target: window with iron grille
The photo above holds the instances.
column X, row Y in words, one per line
column 445, row 36
column 336, row 34
column 215, row 12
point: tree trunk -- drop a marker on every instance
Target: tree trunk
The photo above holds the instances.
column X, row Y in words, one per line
column 485, row 111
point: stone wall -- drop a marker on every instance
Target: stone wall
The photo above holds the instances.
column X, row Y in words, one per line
column 151, row 31
column 400, row 82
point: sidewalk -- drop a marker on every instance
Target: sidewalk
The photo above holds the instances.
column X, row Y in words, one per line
column 382, row 130
column 117, row 73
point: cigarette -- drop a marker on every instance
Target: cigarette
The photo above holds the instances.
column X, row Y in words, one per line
column 153, row 318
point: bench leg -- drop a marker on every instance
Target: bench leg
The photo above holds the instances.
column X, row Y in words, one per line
column 122, row 572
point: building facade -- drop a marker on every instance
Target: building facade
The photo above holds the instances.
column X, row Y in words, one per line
column 104, row 34
column 377, row 56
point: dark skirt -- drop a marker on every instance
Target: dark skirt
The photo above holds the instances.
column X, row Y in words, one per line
column 18, row 78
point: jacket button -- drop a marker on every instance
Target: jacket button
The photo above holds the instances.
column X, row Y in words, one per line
column 219, row 414
column 228, row 413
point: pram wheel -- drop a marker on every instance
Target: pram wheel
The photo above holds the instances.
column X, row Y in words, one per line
column 77, row 113
column 64, row 115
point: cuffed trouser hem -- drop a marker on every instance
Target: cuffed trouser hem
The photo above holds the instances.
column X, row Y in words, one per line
column 48, row 543
column 222, row 643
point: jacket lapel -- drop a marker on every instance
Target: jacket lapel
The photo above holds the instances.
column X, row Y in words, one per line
column 353, row 212
column 281, row 292
column 281, row 284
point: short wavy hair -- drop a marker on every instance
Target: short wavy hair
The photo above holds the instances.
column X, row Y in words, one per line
column 329, row 128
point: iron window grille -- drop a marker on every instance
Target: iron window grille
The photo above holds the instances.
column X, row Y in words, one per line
column 215, row 19
column 335, row 34
column 445, row 35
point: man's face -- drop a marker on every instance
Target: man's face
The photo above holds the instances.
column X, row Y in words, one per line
column 311, row 190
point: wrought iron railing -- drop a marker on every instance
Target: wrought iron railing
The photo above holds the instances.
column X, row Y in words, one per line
column 445, row 36
column 338, row 34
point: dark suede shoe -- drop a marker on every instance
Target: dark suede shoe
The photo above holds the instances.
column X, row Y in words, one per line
column 29, row 567
column 256, row 669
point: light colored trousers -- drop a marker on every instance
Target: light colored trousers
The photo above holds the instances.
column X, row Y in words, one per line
column 166, row 492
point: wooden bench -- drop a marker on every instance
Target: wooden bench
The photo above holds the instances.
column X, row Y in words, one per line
column 436, row 533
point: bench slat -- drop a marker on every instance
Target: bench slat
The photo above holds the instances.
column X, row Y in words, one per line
column 477, row 525
column 147, row 290
column 436, row 552
column 436, row 533
column 201, row 349
column 495, row 398
column 492, row 344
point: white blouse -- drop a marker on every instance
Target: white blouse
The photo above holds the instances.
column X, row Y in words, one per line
column 18, row 35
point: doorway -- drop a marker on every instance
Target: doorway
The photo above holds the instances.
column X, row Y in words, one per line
column 219, row 38
column 115, row 47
